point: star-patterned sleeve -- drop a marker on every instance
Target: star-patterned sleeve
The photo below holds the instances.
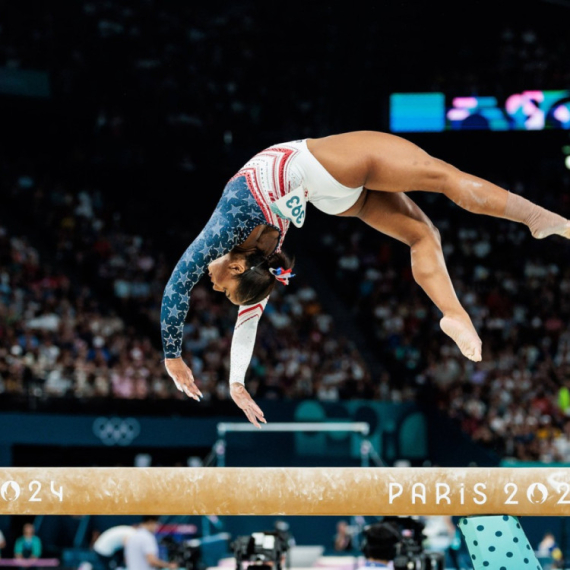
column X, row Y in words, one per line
column 235, row 217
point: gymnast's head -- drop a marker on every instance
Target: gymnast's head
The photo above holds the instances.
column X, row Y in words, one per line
column 248, row 277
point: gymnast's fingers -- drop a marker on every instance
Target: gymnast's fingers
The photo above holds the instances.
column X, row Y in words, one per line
column 183, row 378
column 258, row 413
column 190, row 387
column 190, row 394
column 185, row 383
column 179, row 380
column 251, row 417
column 196, row 389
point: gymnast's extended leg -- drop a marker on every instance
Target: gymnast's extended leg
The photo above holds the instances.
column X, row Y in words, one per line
column 389, row 163
column 398, row 216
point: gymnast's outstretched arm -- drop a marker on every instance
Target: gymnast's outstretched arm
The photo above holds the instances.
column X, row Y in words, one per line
column 229, row 226
column 242, row 349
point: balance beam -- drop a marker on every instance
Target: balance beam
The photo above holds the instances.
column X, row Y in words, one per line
column 285, row 491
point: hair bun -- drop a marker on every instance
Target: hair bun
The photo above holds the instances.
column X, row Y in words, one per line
column 279, row 259
column 264, row 271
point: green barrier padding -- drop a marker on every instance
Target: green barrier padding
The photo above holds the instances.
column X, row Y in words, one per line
column 498, row 543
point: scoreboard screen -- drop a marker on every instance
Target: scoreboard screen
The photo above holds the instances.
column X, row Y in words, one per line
column 437, row 112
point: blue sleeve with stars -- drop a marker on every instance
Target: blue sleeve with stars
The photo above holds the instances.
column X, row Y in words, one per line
column 235, row 217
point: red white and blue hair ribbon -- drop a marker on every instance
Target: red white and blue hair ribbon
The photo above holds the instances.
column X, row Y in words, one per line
column 282, row 275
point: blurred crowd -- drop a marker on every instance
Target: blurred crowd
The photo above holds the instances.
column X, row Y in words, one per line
column 111, row 62
column 57, row 339
column 516, row 57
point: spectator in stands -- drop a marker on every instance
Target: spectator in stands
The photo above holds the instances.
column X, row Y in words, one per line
column 141, row 549
column 343, row 537
column 28, row 545
column 2, row 541
column 548, row 548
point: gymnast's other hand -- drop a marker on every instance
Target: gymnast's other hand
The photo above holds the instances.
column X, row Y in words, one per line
column 183, row 377
column 244, row 401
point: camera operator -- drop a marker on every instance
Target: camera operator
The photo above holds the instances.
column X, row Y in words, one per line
column 379, row 544
column 110, row 544
column 262, row 550
column 396, row 543
column 141, row 549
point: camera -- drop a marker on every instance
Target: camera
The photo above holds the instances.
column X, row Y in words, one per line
column 183, row 553
column 400, row 539
column 264, row 550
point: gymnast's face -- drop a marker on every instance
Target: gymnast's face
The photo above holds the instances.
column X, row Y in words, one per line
column 222, row 272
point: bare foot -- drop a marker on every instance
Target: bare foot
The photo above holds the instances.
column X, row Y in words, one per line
column 461, row 331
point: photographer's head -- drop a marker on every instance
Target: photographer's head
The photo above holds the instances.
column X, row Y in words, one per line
column 150, row 522
column 380, row 542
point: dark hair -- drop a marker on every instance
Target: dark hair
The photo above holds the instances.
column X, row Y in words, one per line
column 256, row 282
column 380, row 541
column 149, row 518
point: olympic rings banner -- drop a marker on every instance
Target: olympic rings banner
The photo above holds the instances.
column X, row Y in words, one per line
column 116, row 431
column 437, row 112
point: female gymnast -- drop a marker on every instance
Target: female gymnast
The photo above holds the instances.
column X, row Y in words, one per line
column 360, row 174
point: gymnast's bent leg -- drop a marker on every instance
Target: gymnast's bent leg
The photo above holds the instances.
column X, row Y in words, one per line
column 399, row 217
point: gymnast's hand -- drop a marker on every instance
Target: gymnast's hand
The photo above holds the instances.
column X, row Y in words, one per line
column 244, row 401
column 183, row 377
